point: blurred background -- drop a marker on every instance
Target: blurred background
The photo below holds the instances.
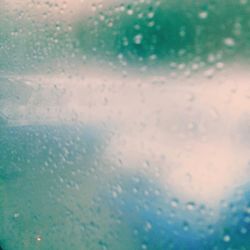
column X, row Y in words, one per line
column 124, row 125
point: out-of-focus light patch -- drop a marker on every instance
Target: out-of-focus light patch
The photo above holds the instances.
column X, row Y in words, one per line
column 208, row 173
column 203, row 162
column 203, row 172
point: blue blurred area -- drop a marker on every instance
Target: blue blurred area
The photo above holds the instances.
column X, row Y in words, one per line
column 159, row 221
column 36, row 169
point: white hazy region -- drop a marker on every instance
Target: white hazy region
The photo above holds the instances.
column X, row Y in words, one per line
column 190, row 134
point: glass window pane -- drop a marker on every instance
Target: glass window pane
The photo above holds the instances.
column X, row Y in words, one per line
column 124, row 124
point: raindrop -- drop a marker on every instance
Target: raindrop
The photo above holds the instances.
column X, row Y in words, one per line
column 38, row 238
column 203, row 15
column 151, row 24
column 243, row 230
column 125, row 41
column 148, row 226
column 226, row 238
column 247, row 210
column 185, row 226
column 138, row 39
column 174, row 203
column 209, row 73
column 103, row 245
column 16, row 215
column 153, row 57
column 210, row 229
column 130, row 12
column 229, row 41
column 190, row 206
column 150, row 14
column 219, row 65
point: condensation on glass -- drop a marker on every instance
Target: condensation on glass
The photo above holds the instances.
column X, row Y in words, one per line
column 124, row 125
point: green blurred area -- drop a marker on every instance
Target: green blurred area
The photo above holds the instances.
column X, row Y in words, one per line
column 151, row 32
column 169, row 30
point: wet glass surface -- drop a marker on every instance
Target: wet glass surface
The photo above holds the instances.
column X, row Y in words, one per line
column 124, row 125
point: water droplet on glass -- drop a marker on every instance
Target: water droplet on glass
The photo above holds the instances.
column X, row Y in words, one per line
column 16, row 215
column 150, row 14
column 226, row 238
column 190, row 206
column 148, row 226
column 203, row 15
column 185, row 226
column 138, row 39
column 38, row 238
column 209, row 73
column 130, row 12
column 229, row 41
column 243, row 230
column 219, row 65
column 174, row 203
